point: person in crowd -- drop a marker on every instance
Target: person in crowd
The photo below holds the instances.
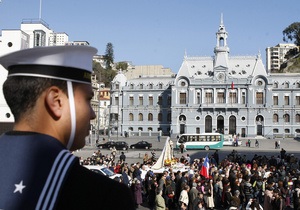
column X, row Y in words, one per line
column 199, row 203
column 277, row 202
column 113, row 152
column 210, row 196
column 137, row 192
column 184, row 197
column 181, row 147
column 235, row 201
column 49, row 92
column 218, row 189
column 296, row 195
column 268, row 197
column 227, row 197
column 216, row 156
column 170, row 192
column 159, row 201
column 122, row 157
column 193, row 193
column 247, row 189
column 253, row 204
column 145, row 158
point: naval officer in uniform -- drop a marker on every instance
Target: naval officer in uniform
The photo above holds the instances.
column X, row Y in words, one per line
column 48, row 90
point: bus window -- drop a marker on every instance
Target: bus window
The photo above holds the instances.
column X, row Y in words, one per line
column 182, row 139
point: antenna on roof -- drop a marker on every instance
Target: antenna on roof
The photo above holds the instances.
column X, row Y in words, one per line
column 40, row 16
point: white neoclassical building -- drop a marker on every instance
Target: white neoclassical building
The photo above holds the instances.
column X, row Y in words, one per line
column 221, row 93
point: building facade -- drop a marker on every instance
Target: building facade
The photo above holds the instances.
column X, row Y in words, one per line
column 35, row 33
column 275, row 56
column 222, row 93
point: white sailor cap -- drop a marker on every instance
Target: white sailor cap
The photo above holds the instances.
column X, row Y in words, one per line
column 70, row 63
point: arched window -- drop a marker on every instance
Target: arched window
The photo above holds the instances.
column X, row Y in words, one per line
column 150, row 129
column 286, row 118
column 275, row 130
column 297, row 118
column 275, row 118
column 150, row 117
column 286, row 85
column 140, row 117
column 131, row 118
column 159, row 117
column 140, row 129
column 130, row 128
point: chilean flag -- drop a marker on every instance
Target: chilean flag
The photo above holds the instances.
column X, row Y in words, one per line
column 205, row 168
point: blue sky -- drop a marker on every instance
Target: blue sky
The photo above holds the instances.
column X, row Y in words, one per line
column 159, row 32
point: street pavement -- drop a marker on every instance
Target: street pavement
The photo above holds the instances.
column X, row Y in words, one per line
column 267, row 146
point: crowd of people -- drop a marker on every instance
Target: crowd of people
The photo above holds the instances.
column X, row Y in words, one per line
column 236, row 182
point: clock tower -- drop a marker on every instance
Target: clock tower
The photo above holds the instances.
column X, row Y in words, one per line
column 221, row 54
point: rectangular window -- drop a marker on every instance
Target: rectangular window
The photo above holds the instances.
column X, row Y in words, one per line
column 131, row 101
column 232, row 97
column 150, row 100
column 220, row 98
column 141, row 100
column 208, row 98
column 116, row 100
column 198, row 96
column 259, row 98
column 275, row 100
column 286, row 100
column 298, row 100
column 243, row 101
column 182, row 98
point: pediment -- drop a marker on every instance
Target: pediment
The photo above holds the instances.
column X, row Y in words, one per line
column 220, row 68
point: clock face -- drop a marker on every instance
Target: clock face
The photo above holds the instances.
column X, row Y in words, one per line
column 221, row 76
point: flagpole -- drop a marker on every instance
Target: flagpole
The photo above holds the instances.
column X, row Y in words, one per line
column 40, row 15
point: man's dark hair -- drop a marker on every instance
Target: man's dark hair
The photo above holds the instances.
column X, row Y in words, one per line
column 21, row 92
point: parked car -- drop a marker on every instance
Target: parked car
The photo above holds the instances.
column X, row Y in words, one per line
column 141, row 145
column 106, row 145
column 230, row 142
column 121, row 145
column 102, row 170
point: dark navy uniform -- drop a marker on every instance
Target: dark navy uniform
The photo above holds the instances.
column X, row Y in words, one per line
column 38, row 172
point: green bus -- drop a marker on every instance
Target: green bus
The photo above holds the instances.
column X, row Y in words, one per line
column 205, row 141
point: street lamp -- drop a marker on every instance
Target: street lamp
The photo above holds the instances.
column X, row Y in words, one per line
column 101, row 86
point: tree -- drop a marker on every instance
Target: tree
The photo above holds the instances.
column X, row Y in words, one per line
column 103, row 75
column 122, row 65
column 292, row 33
column 109, row 56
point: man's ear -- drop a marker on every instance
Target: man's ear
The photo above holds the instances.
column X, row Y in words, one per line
column 54, row 101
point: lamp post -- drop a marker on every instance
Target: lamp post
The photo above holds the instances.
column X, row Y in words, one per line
column 101, row 86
